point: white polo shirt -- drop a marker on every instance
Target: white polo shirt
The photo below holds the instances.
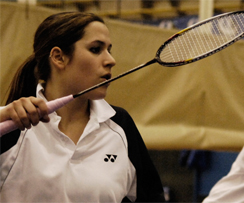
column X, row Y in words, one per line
column 46, row 166
column 229, row 189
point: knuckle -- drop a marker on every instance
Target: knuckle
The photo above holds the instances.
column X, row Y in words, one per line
column 18, row 102
column 15, row 103
column 32, row 112
column 22, row 99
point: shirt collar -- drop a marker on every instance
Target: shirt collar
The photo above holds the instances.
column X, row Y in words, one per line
column 39, row 92
column 99, row 109
column 102, row 110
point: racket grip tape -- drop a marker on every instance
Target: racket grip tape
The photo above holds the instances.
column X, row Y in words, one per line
column 58, row 103
column 9, row 125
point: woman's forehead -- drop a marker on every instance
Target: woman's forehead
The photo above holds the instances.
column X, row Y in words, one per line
column 97, row 31
column 96, row 28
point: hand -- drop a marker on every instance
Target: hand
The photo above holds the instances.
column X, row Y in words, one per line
column 24, row 112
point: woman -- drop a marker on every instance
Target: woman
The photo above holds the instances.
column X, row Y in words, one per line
column 87, row 151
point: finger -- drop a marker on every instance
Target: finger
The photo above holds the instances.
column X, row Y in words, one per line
column 32, row 111
column 41, row 104
column 18, row 122
column 21, row 113
column 45, row 119
column 27, row 111
column 13, row 115
column 42, row 108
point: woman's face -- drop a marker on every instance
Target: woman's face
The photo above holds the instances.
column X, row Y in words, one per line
column 91, row 62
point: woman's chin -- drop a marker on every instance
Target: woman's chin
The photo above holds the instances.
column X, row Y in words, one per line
column 98, row 95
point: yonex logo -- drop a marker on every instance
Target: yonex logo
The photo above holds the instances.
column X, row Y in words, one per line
column 110, row 157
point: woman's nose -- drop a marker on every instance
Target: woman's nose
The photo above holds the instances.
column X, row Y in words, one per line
column 110, row 61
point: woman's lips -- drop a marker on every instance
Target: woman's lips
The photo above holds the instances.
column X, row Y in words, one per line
column 107, row 76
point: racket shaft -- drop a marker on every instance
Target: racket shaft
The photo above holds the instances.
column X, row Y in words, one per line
column 117, row 77
column 9, row 125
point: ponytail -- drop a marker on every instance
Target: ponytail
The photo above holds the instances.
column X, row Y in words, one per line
column 24, row 82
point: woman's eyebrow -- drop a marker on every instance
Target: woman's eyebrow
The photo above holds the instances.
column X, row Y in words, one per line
column 102, row 43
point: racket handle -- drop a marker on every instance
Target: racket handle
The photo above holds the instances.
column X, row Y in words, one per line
column 9, row 125
column 6, row 127
column 58, row 103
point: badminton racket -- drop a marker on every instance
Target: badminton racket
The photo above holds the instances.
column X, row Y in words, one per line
column 186, row 46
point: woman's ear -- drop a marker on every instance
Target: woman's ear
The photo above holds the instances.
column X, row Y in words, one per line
column 58, row 58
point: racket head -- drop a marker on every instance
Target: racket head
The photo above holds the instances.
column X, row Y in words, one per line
column 202, row 39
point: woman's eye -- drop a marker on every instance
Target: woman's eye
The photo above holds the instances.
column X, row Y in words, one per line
column 95, row 50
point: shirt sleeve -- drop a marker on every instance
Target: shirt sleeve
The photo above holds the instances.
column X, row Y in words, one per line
column 231, row 187
column 9, row 140
column 149, row 187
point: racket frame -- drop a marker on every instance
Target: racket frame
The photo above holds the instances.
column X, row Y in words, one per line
column 190, row 60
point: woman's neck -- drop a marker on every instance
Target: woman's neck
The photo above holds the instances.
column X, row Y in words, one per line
column 74, row 115
column 74, row 120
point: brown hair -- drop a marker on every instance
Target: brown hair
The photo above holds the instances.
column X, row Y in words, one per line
column 62, row 30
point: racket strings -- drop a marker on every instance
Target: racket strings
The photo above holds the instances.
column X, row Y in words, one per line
column 204, row 38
